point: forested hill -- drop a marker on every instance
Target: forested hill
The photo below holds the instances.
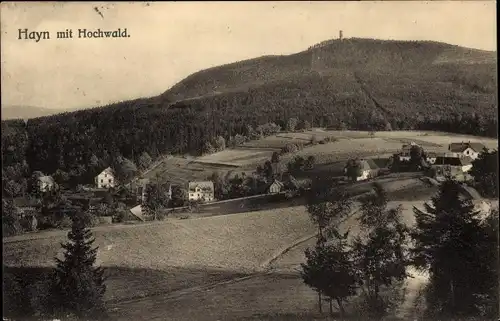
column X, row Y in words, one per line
column 354, row 84
column 331, row 59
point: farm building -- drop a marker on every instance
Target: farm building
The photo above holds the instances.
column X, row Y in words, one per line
column 201, row 191
column 405, row 154
column 452, row 166
column 105, row 179
column 45, row 183
column 367, row 169
column 431, row 158
column 468, row 149
column 275, row 187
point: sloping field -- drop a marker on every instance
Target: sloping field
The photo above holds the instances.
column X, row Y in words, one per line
column 180, row 170
column 344, row 149
column 236, row 157
column 233, row 242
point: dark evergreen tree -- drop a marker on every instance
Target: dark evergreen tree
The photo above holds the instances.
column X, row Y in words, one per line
column 78, row 285
column 485, row 173
column 447, row 236
column 330, row 270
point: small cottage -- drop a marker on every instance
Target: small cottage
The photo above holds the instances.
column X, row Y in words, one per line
column 105, row 179
column 466, row 149
column 201, row 191
column 275, row 187
column 45, row 183
column 367, row 169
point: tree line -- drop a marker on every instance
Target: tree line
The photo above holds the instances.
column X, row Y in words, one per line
column 451, row 241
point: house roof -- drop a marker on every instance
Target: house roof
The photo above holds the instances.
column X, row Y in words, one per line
column 108, row 170
column 279, row 183
column 460, row 147
column 46, row 179
column 453, row 161
column 204, row 185
column 368, row 164
column 137, row 212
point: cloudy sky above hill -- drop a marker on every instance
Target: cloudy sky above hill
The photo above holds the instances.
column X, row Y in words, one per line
column 169, row 41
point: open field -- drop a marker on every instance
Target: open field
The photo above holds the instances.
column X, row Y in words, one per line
column 179, row 170
column 329, row 157
column 233, row 242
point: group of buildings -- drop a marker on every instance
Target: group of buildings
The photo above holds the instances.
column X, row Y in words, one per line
column 454, row 162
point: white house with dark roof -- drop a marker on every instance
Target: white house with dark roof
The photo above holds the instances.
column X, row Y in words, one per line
column 368, row 169
column 275, row 187
column 45, row 183
column 201, row 191
column 105, row 179
column 466, row 149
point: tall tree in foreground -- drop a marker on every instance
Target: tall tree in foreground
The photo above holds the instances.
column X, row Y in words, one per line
column 381, row 250
column 329, row 269
column 485, row 173
column 78, row 286
column 450, row 243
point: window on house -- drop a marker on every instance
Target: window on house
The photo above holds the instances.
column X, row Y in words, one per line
column 110, row 180
column 102, row 181
column 105, row 175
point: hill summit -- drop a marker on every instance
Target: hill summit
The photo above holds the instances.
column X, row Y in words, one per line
column 356, row 84
column 337, row 59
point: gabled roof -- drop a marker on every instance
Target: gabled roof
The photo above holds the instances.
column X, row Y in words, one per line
column 453, row 161
column 368, row 164
column 108, row 171
column 46, row 179
column 460, row 147
column 280, row 184
column 207, row 186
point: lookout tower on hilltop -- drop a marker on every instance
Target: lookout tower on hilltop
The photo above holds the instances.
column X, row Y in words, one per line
column 340, row 35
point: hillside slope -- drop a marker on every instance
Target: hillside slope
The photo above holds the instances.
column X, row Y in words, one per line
column 335, row 58
column 356, row 84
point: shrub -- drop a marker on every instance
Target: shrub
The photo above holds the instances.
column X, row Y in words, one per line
column 289, row 148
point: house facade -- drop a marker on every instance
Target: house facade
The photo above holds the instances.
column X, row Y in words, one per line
column 275, row 187
column 455, row 167
column 466, row 149
column 45, row 183
column 404, row 155
column 201, row 191
column 105, row 179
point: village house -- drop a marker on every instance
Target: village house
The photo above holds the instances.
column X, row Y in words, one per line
column 201, row 191
column 105, row 179
column 275, row 187
column 431, row 158
column 368, row 169
column 466, row 149
column 45, row 183
column 455, row 167
column 28, row 209
column 404, row 155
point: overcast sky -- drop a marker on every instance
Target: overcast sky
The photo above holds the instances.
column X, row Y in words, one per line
column 169, row 41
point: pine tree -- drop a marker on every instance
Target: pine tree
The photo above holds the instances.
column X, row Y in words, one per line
column 78, row 286
column 447, row 236
column 330, row 270
column 381, row 250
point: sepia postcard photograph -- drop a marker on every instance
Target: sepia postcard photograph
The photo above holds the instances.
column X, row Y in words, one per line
column 249, row 161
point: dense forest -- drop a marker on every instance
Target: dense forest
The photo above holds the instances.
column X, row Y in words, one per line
column 368, row 91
